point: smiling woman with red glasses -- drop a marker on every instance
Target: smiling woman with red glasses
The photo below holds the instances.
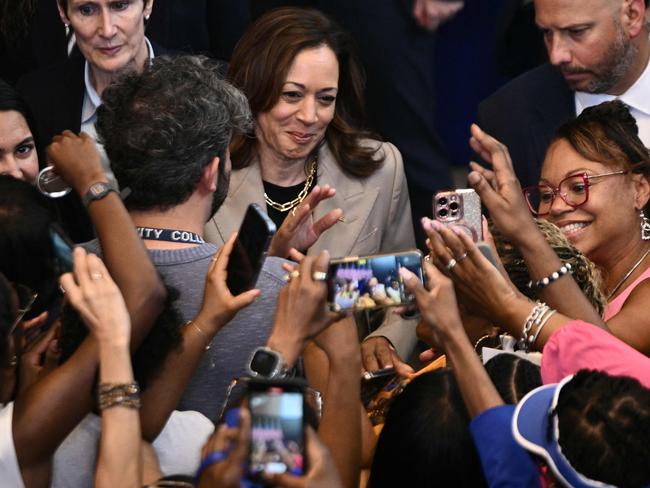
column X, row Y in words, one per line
column 595, row 186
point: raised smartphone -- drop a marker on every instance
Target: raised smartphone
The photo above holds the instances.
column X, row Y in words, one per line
column 249, row 250
column 62, row 246
column 462, row 208
column 367, row 282
column 277, row 443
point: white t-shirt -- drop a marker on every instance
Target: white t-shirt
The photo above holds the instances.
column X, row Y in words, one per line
column 178, row 448
column 9, row 470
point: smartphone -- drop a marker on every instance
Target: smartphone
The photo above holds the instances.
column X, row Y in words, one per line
column 277, row 443
column 462, row 208
column 249, row 250
column 62, row 246
column 368, row 282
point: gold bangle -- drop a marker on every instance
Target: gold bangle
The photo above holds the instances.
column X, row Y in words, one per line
column 196, row 326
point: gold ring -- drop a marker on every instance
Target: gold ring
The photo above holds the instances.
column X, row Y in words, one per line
column 289, row 276
column 319, row 275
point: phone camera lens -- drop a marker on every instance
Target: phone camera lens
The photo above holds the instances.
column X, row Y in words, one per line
column 442, row 212
column 442, row 201
column 453, row 206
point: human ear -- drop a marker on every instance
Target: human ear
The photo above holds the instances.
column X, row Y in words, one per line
column 62, row 14
column 633, row 17
column 148, row 8
column 210, row 175
column 642, row 191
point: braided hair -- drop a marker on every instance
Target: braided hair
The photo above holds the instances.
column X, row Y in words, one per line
column 584, row 272
column 513, row 376
column 604, row 424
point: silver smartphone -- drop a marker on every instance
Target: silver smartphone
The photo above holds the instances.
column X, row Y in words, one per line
column 461, row 208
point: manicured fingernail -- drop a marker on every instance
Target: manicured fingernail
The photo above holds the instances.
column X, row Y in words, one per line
column 436, row 225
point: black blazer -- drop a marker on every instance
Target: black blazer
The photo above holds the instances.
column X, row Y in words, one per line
column 55, row 96
column 524, row 115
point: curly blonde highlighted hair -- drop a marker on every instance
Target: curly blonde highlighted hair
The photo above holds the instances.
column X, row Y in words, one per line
column 585, row 273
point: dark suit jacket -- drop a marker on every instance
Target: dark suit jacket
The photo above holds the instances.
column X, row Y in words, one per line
column 55, row 96
column 524, row 115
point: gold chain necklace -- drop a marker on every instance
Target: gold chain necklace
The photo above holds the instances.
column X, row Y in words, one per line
column 285, row 207
column 628, row 274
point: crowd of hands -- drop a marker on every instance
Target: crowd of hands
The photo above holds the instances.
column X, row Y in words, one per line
column 303, row 326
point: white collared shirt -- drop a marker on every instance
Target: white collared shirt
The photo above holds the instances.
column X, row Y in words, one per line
column 637, row 97
column 91, row 103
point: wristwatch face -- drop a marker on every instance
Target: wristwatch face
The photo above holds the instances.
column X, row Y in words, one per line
column 98, row 189
column 264, row 363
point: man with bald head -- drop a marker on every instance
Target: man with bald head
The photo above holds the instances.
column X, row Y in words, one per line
column 598, row 50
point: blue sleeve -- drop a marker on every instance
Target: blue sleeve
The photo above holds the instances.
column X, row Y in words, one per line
column 505, row 463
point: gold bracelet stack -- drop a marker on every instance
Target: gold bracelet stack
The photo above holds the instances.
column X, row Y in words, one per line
column 118, row 395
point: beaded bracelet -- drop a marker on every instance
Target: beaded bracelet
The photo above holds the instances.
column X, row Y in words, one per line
column 118, row 394
column 547, row 280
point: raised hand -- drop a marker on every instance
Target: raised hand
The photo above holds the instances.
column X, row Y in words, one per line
column 499, row 188
column 76, row 159
column 300, row 313
column 481, row 287
column 299, row 231
column 219, row 305
column 94, row 294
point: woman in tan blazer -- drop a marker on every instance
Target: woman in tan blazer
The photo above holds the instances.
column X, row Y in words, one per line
column 325, row 182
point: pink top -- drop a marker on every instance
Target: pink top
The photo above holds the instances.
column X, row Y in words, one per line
column 615, row 305
column 579, row 345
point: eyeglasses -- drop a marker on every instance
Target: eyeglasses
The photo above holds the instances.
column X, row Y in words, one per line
column 26, row 299
column 574, row 190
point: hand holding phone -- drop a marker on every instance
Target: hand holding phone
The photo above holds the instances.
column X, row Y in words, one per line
column 277, row 442
column 369, row 282
column 249, row 251
column 461, row 208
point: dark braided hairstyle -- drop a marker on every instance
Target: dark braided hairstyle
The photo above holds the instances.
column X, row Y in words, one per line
column 604, row 424
column 584, row 272
column 608, row 134
column 513, row 376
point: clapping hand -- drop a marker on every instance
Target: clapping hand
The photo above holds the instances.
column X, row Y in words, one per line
column 299, row 231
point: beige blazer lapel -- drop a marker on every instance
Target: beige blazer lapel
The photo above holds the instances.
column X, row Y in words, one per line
column 245, row 188
column 353, row 197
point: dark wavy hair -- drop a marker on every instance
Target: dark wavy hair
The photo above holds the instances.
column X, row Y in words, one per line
column 26, row 251
column 161, row 128
column 259, row 67
column 426, row 441
column 604, row 424
column 607, row 133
